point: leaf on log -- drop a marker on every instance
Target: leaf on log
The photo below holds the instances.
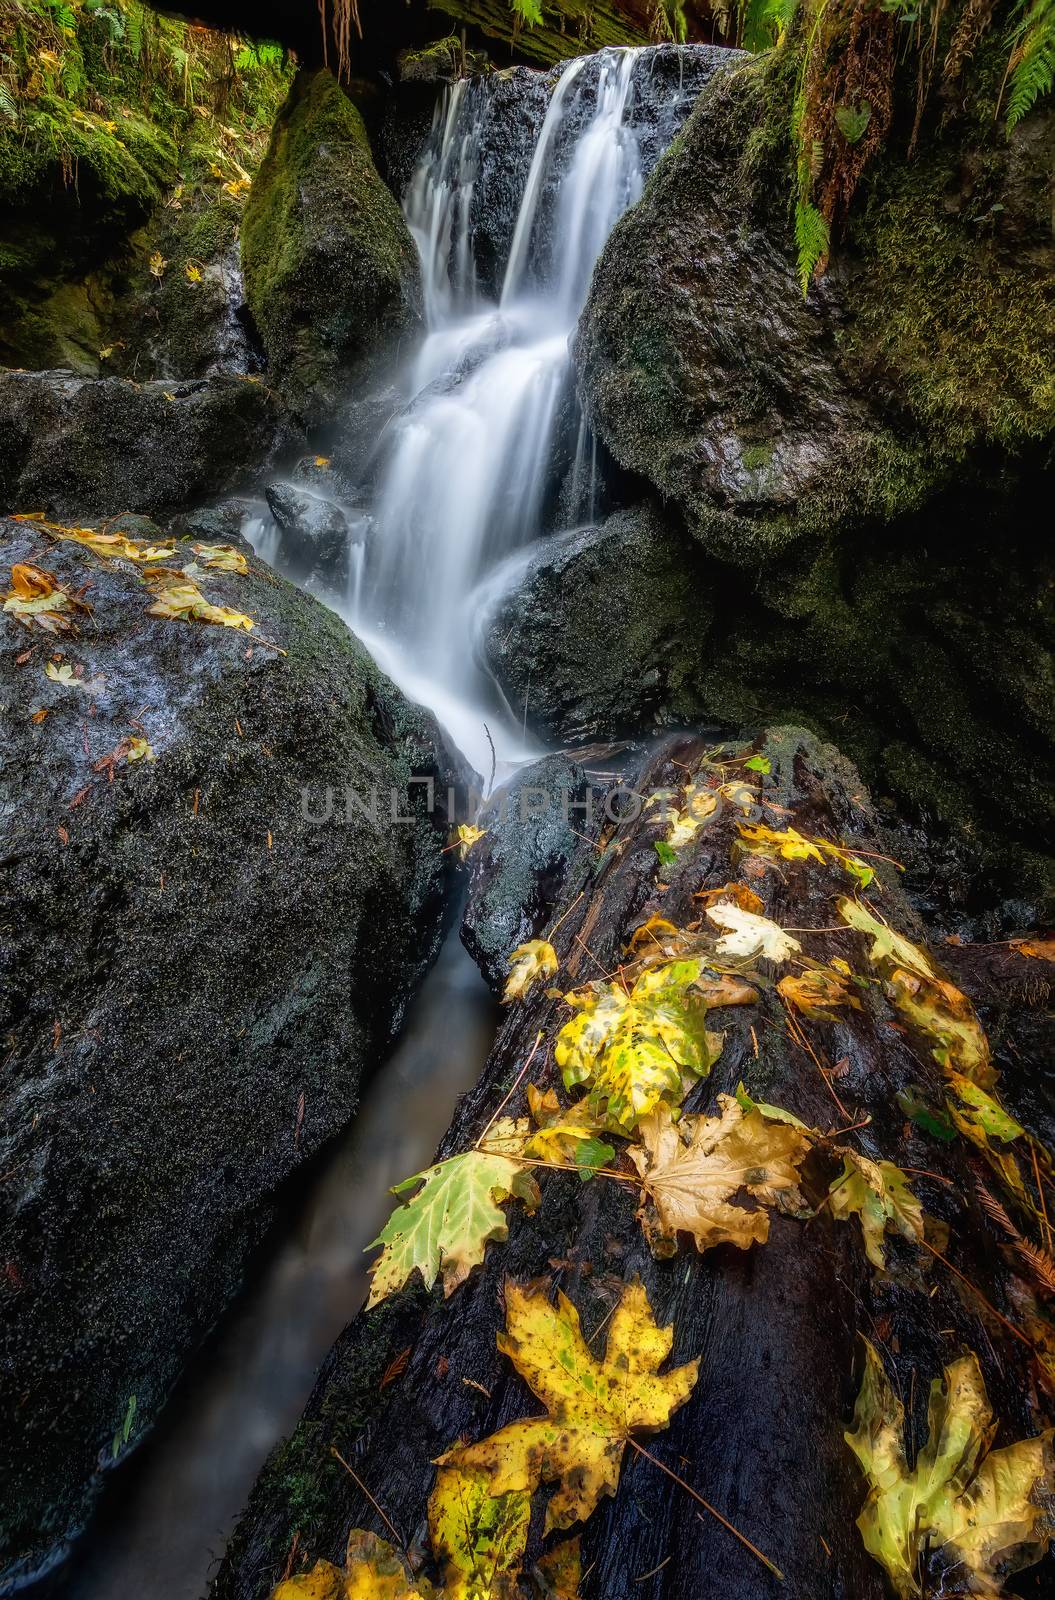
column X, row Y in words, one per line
column 818, row 993
column 445, row 1228
column 593, row 1407
column 985, row 1512
column 693, row 1169
column 878, row 1192
column 750, row 936
column 528, row 964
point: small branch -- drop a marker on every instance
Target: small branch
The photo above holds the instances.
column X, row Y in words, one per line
column 744, row 1540
column 999, row 1315
column 362, row 1486
column 512, row 1091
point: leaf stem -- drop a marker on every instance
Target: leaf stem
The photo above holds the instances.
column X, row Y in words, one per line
column 999, row 1315
column 506, row 1099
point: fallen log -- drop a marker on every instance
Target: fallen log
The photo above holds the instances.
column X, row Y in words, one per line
column 776, row 1327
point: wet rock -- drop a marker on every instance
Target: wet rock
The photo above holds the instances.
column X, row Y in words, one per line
column 529, row 842
column 356, row 441
column 217, row 524
column 331, row 273
column 73, row 445
column 201, row 957
column 596, row 637
column 314, row 533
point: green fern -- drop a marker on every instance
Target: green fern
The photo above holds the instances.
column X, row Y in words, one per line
column 812, row 238
column 134, row 32
column 528, row 12
column 1032, row 65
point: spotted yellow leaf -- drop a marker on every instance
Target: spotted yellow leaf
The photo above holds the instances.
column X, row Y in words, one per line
column 878, row 1193
column 749, row 936
column 593, row 1407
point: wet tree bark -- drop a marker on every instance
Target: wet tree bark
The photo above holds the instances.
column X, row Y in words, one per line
column 775, row 1327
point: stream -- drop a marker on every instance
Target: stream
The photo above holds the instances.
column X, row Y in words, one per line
column 489, row 454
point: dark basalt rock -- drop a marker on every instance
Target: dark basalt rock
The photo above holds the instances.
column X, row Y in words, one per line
column 314, row 533
column 81, row 446
column 531, row 827
column 199, row 963
column 595, row 639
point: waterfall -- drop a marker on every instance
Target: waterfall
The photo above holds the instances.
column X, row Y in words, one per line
column 478, row 447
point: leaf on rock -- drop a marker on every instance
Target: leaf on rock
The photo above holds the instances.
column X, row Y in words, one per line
column 749, row 935
column 528, row 964
column 634, row 1049
column 445, row 1228
column 323, row 1582
column 878, row 1192
column 465, row 837
column 693, row 1169
column 593, row 1407
column 101, row 543
column 987, row 1512
column 222, row 558
column 37, row 598
column 789, row 845
column 946, row 1018
column 817, row 993
column 62, row 672
column 180, row 600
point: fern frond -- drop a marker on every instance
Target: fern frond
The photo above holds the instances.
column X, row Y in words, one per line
column 812, row 238
column 1031, row 68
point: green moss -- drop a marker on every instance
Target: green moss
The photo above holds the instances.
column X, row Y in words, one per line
column 330, row 270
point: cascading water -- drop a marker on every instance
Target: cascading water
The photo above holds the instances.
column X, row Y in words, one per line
column 472, row 457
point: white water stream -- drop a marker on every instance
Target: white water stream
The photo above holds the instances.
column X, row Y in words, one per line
column 470, row 459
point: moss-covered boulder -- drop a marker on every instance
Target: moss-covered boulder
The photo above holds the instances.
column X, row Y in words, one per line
column 924, row 357
column 70, row 444
column 331, row 273
column 203, row 951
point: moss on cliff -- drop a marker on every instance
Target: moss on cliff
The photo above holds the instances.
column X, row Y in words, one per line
column 331, row 273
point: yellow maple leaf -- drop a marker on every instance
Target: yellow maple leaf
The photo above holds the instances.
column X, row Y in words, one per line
column 222, row 558
column 192, row 273
column 982, row 1511
column 157, row 264
column 946, row 1018
column 593, row 1407
column 322, row 461
column 528, row 964
column 788, row 844
column 63, row 673
column 879, row 1194
column 637, row 1049
column 888, row 946
column 180, row 600
column 38, row 599
column 692, row 1169
column 140, row 750
column 445, row 1227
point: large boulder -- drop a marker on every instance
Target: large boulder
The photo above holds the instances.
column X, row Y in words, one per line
column 768, row 417
column 596, row 638
column 930, row 657
column 205, row 946
column 331, row 273
column 73, row 445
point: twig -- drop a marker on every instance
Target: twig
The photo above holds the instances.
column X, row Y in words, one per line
column 803, row 1042
column 494, row 759
column 362, row 1486
column 565, row 914
column 1040, row 1193
column 512, row 1091
column 999, row 1315
column 744, row 1540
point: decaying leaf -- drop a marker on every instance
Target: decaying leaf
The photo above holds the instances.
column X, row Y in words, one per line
column 738, row 894
column 593, row 1407
column 479, row 1535
column 528, row 964
column 465, row 836
column 222, row 558
column 62, row 672
column 981, row 1513
column 878, row 1192
column 651, row 935
column 887, row 947
column 180, row 599
column 749, row 935
column 101, row 543
column 946, row 1018
column 818, row 993
column 561, row 1570
column 691, row 1170
column 374, row 1571
column 633, row 1049
column 567, row 1135
column 507, row 1136
column 140, row 750
column 445, row 1228
column 38, row 599
column 1037, row 949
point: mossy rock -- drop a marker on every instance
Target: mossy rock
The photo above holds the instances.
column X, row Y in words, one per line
column 331, row 272
column 200, row 965
column 924, row 357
